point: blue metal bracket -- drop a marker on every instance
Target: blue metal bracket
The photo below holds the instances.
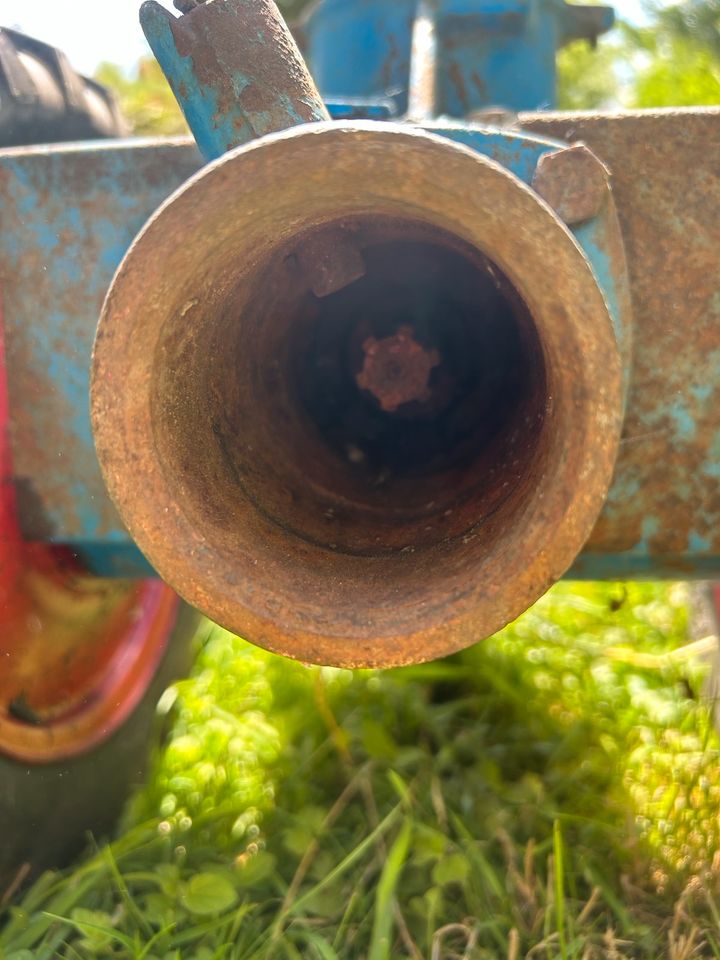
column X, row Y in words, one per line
column 469, row 54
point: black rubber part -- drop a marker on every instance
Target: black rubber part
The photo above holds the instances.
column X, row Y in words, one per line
column 43, row 100
column 47, row 812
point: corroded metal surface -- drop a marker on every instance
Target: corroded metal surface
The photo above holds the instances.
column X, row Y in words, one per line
column 330, row 260
column 574, row 182
column 68, row 216
column 396, row 369
column 234, row 69
column 662, row 516
column 78, row 654
column 221, row 456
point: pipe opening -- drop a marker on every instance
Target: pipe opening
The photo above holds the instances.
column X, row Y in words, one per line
column 357, row 395
column 401, row 411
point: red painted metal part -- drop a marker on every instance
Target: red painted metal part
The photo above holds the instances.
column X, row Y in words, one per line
column 77, row 653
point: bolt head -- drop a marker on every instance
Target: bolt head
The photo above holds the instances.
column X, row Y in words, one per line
column 574, row 182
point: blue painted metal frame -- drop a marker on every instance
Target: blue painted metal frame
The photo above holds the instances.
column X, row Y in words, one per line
column 490, row 52
column 70, row 213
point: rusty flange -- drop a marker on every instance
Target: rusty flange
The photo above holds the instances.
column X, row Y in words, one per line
column 273, row 492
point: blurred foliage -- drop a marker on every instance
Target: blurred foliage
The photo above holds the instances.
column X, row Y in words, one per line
column 674, row 60
column 587, row 78
column 145, row 98
column 674, row 65
column 695, row 21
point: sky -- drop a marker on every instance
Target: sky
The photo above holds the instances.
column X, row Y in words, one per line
column 88, row 31
column 91, row 31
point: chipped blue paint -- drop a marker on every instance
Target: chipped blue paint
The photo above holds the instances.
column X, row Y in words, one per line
column 649, row 528
column 612, row 278
column 212, row 100
column 701, row 392
column 684, row 422
column 213, row 130
column 69, row 214
column 697, row 543
column 517, row 152
column 711, row 468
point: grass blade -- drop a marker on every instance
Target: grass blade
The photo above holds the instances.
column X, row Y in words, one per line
column 349, row 861
column 559, row 858
column 385, row 895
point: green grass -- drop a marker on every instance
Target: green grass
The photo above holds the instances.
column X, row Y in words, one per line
column 551, row 793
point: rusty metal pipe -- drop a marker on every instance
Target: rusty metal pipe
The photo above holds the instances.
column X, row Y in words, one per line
column 382, row 474
column 235, row 70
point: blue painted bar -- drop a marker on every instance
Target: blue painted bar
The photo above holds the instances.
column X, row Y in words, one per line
column 62, row 251
column 234, row 69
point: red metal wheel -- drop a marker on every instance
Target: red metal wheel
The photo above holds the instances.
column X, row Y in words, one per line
column 83, row 662
column 77, row 653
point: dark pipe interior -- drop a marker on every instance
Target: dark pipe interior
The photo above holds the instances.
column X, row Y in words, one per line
column 271, row 409
column 454, row 311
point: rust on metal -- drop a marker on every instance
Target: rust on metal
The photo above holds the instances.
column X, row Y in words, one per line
column 574, row 182
column 276, row 495
column 397, row 369
column 330, row 260
column 185, row 6
column 664, row 504
column 77, row 653
column 68, row 216
column 235, row 70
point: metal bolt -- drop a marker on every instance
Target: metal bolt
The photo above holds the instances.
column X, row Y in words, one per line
column 397, row 369
column 574, row 182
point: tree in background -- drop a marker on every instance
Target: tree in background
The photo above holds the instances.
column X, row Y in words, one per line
column 679, row 56
column 673, row 61
column 587, row 75
column 145, row 98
